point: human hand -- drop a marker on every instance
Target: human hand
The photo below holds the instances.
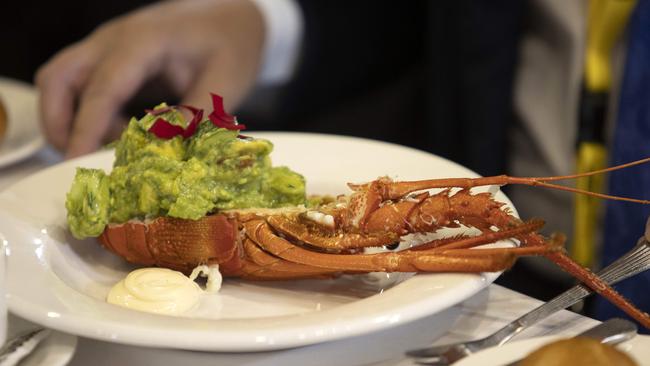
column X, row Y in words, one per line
column 193, row 46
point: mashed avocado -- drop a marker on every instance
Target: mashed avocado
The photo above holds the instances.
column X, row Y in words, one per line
column 186, row 178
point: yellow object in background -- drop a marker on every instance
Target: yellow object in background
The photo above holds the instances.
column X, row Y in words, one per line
column 605, row 23
column 591, row 156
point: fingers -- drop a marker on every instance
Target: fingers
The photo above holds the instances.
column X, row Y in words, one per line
column 59, row 82
column 219, row 76
column 115, row 80
column 85, row 87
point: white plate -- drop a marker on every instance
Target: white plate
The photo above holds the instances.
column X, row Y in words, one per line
column 61, row 282
column 638, row 348
column 55, row 350
column 23, row 137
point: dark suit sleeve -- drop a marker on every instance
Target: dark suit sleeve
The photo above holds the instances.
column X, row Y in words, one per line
column 435, row 75
column 351, row 48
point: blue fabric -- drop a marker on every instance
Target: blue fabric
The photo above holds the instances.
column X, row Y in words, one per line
column 625, row 222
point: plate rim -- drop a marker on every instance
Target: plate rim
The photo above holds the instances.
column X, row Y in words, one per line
column 35, row 313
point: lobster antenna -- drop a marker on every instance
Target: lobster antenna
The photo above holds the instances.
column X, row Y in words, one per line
column 595, row 172
column 589, row 193
column 542, row 182
column 394, row 190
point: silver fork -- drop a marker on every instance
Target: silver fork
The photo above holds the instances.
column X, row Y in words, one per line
column 635, row 261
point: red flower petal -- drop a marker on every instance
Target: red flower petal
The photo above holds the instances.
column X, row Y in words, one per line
column 223, row 124
column 219, row 111
column 220, row 118
column 165, row 130
column 191, row 127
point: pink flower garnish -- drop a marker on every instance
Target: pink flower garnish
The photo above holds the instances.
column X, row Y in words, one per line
column 165, row 130
column 198, row 116
column 220, row 118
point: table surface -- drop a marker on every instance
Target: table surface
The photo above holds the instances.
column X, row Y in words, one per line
column 479, row 316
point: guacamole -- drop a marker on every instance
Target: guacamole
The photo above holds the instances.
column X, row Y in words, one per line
column 188, row 178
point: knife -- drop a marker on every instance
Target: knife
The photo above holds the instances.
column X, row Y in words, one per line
column 613, row 331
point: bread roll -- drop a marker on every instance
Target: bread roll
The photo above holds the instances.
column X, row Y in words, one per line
column 3, row 120
column 577, row 352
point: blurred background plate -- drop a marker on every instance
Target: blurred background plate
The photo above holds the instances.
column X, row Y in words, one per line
column 24, row 136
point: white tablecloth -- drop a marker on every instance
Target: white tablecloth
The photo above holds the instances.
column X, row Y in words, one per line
column 479, row 316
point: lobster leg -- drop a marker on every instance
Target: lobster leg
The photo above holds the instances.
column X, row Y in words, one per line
column 276, row 264
column 261, row 233
column 590, row 280
column 252, row 271
column 599, row 286
column 486, row 238
column 312, row 235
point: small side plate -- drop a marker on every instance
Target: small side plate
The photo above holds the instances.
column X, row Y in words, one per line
column 24, row 136
column 55, row 350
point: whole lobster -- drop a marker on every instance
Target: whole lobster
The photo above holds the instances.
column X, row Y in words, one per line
column 290, row 243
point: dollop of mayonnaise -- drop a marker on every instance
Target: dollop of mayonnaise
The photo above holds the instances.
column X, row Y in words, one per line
column 161, row 290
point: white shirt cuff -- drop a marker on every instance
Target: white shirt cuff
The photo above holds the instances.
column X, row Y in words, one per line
column 284, row 31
